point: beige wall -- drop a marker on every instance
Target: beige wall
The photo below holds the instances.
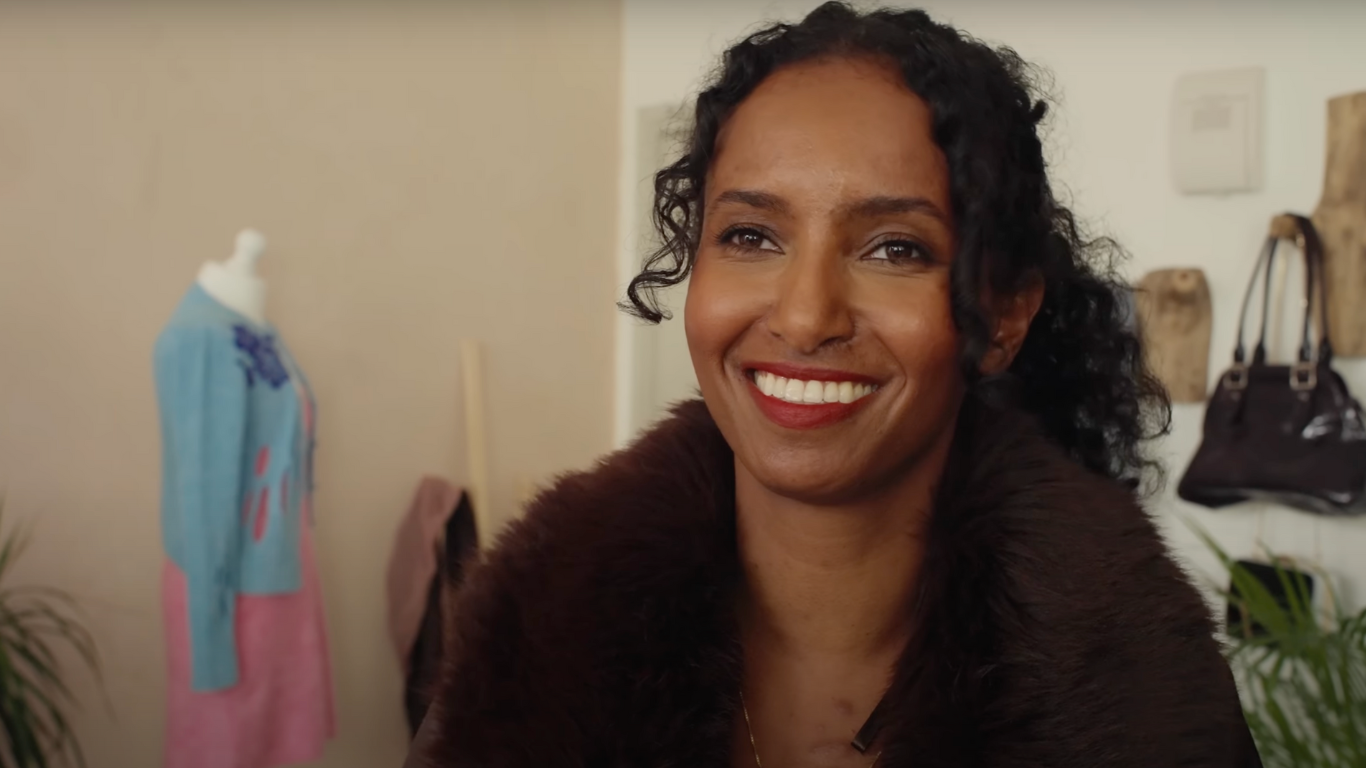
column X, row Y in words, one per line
column 422, row 175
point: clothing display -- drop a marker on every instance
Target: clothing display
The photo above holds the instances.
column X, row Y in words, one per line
column 433, row 542
column 1053, row 627
column 250, row 683
column 280, row 712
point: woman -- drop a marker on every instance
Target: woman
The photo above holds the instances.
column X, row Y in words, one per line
column 900, row 528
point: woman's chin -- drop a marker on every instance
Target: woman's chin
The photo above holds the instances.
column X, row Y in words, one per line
column 817, row 477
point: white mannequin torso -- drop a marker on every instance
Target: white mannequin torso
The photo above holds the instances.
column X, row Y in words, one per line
column 234, row 282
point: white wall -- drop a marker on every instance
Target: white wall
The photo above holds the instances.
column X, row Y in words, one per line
column 1114, row 65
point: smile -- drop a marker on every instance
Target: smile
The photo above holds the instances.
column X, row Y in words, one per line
column 810, row 391
column 808, row 398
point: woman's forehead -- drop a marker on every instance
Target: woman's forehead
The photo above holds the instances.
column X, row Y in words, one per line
column 831, row 129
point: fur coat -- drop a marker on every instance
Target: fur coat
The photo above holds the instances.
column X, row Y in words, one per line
column 1055, row 629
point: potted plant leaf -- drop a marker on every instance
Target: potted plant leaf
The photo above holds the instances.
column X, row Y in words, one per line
column 1301, row 671
column 36, row 624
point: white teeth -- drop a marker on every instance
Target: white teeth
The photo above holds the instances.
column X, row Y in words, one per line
column 814, row 393
column 810, row 392
column 846, row 392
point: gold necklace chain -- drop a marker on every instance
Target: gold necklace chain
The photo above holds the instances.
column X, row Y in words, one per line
column 752, row 745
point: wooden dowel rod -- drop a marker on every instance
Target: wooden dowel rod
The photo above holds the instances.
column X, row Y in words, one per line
column 475, row 443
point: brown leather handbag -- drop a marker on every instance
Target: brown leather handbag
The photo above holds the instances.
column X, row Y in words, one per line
column 1291, row 434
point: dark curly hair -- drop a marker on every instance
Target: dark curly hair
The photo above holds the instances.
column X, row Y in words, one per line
column 1081, row 369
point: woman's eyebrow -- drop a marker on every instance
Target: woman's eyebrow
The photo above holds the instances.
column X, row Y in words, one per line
column 865, row 208
column 885, row 205
column 752, row 198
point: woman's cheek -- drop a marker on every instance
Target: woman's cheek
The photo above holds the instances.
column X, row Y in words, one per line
column 724, row 301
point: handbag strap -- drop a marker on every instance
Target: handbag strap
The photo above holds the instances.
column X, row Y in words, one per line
column 1267, row 257
column 1312, row 246
column 1259, row 354
column 1302, row 229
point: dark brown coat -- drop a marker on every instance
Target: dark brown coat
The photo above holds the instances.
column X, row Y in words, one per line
column 1055, row 628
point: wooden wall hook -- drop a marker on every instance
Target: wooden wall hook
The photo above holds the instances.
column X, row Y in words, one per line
column 1341, row 221
column 1175, row 317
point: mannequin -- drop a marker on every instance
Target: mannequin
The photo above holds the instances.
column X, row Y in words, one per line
column 234, row 282
column 1175, row 318
column 1341, row 221
column 248, row 678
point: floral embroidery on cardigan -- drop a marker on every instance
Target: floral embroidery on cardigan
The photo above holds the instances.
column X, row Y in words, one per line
column 265, row 361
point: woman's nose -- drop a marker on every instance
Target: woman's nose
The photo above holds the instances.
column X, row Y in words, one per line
column 812, row 307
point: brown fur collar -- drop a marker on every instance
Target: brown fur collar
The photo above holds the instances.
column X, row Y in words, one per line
column 1057, row 631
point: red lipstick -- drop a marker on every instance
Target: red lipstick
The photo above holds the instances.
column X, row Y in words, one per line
column 804, row 415
column 808, row 373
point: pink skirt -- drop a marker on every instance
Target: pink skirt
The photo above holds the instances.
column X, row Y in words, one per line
column 281, row 710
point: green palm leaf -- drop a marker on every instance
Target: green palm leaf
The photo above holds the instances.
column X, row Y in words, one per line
column 1303, row 682
column 35, row 698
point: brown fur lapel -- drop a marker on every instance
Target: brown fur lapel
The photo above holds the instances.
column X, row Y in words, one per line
column 1056, row 631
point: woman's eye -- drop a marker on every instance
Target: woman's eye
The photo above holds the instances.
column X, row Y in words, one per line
column 749, row 239
column 899, row 252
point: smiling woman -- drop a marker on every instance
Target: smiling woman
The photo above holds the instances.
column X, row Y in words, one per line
column 824, row 256
column 901, row 527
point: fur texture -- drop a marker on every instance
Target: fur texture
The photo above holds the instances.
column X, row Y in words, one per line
column 1055, row 628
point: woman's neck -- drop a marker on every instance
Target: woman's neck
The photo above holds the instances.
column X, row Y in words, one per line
column 834, row 581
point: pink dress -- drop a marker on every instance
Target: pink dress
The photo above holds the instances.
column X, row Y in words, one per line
column 281, row 710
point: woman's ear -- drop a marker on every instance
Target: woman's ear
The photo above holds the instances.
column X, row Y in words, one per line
column 1013, row 314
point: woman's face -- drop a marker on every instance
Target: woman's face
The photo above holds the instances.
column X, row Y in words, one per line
column 818, row 313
